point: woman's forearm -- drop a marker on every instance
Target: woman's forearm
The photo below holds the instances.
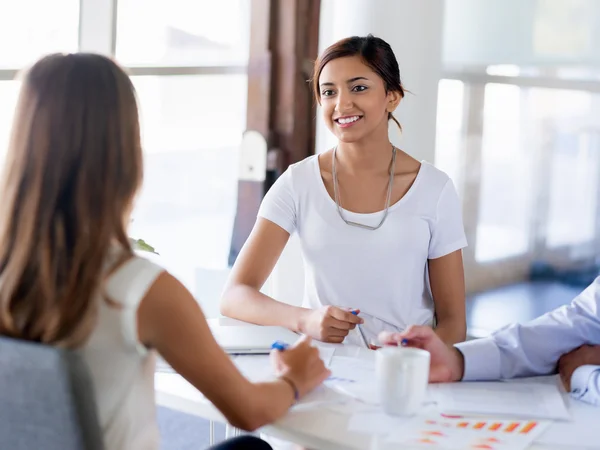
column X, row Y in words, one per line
column 250, row 305
column 266, row 403
column 451, row 330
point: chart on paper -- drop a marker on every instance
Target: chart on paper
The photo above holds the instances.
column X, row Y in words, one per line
column 455, row 432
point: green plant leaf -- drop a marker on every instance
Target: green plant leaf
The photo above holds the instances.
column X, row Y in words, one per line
column 140, row 244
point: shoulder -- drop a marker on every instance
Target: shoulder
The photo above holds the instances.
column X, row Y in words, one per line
column 434, row 189
column 128, row 282
column 435, row 179
column 298, row 176
column 303, row 169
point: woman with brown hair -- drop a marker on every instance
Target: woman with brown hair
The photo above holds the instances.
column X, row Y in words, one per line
column 69, row 277
column 381, row 233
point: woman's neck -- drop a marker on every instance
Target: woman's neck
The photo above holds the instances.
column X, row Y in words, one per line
column 371, row 156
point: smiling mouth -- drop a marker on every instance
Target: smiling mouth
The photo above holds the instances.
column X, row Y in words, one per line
column 347, row 120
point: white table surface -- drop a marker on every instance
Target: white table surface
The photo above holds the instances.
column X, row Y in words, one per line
column 313, row 428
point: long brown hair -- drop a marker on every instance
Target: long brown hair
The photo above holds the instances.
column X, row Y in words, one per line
column 72, row 170
column 374, row 52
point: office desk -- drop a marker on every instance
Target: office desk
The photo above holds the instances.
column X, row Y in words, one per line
column 313, row 428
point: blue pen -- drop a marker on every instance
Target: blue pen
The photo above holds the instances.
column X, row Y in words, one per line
column 279, row 345
column 362, row 334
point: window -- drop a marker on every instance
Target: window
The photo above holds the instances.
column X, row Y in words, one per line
column 188, row 59
column 519, row 121
column 183, row 32
column 191, row 129
column 566, row 118
column 449, row 128
column 506, row 182
column 25, row 36
column 527, row 160
column 9, row 91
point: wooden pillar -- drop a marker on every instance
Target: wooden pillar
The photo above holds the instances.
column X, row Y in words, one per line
column 283, row 46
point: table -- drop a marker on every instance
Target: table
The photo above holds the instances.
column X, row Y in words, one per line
column 328, row 431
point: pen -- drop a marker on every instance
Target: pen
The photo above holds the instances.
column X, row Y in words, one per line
column 279, row 345
column 362, row 334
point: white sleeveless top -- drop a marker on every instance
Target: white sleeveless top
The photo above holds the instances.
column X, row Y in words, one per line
column 382, row 272
column 122, row 369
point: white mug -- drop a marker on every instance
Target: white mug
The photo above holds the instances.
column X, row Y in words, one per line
column 402, row 378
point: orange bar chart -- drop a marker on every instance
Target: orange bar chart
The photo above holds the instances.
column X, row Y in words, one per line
column 527, row 428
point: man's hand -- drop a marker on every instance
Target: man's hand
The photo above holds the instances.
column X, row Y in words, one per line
column 581, row 356
column 447, row 363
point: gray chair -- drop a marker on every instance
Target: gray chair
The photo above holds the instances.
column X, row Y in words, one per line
column 46, row 399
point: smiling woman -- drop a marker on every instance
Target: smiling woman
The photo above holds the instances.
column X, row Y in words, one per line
column 341, row 54
column 381, row 233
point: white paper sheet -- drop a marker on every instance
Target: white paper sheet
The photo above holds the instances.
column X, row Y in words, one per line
column 376, row 422
column 259, row 368
column 326, row 354
column 354, row 378
column 542, row 401
column 255, row 367
column 436, row 430
column 582, row 431
column 492, row 433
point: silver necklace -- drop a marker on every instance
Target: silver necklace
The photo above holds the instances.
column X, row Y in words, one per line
column 336, row 193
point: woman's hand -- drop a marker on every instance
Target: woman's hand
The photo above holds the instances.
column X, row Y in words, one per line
column 302, row 364
column 329, row 323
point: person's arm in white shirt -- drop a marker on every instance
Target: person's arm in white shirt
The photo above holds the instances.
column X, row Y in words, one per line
column 445, row 264
column 585, row 384
column 534, row 348
column 242, row 298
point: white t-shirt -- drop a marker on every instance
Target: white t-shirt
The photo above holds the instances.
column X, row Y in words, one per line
column 382, row 272
column 122, row 369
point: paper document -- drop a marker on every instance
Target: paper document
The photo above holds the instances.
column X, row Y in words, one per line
column 255, row 367
column 326, row 353
column 352, row 370
column 259, row 367
column 581, row 431
column 541, row 401
column 375, row 422
column 354, row 378
column 437, row 430
column 444, row 432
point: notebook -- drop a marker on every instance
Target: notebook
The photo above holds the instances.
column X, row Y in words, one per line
column 251, row 339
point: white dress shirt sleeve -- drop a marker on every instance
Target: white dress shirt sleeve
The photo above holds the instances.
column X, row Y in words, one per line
column 585, row 384
column 535, row 347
